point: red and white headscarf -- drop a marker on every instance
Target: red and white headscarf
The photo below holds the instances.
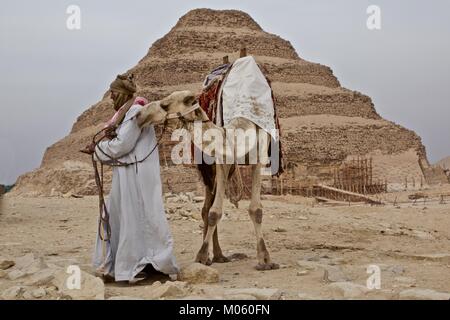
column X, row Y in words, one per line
column 138, row 101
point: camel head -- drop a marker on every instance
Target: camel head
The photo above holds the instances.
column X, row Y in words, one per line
column 179, row 102
column 150, row 114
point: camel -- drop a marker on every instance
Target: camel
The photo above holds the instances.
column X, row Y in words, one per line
column 180, row 109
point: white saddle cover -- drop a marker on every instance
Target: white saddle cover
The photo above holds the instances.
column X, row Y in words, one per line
column 247, row 94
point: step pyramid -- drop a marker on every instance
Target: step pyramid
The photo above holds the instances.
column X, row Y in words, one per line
column 322, row 123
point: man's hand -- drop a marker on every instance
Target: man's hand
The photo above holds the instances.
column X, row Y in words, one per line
column 110, row 133
column 89, row 149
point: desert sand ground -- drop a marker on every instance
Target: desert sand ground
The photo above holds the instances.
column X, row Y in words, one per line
column 409, row 242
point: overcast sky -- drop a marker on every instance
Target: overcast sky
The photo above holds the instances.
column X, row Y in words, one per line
column 50, row 75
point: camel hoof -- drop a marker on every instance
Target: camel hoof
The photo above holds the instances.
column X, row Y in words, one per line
column 221, row 259
column 267, row 266
column 203, row 260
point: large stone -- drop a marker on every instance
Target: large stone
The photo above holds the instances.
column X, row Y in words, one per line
column 30, row 264
column 259, row 294
column 91, row 288
column 41, row 277
column 6, row 263
column 167, row 290
column 334, row 274
column 25, row 261
column 423, row 294
column 348, row 290
column 199, row 273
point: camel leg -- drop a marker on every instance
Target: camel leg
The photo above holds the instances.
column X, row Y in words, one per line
column 256, row 214
column 214, row 214
column 218, row 256
column 217, row 251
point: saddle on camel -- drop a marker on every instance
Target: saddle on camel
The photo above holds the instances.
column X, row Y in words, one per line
column 235, row 97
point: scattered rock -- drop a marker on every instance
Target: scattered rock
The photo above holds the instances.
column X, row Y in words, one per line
column 423, row 294
column 238, row 256
column 302, row 273
column 27, row 295
column 440, row 257
column 240, row 296
column 13, row 293
column 348, row 290
column 199, row 273
column 41, row 277
column 25, row 261
column 308, row 265
column 185, row 214
column 30, row 264
column 396, row 270
column 406, row 281
column 278, row 229
column 91, row 288
column 6, row 264
column 305, row 296
column 34, row 294
column 311, row 257
column 334, row 274
column 423, row 235
column 331, row 273
column 198, row 199
column 194, row 297
column 16, row 274
column 196, row 216
column 259, row 294
column 38, row 293
column 124, row 298
column 168, row 289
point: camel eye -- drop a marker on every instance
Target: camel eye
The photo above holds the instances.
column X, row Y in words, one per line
column 189, row 100
column 164, row 105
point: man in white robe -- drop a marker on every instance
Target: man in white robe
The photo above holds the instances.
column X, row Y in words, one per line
column 140, row 234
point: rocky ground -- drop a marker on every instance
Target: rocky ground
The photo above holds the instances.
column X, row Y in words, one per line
column 324, row 250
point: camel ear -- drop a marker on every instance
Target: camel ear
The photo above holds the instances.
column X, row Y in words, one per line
column 190, row 100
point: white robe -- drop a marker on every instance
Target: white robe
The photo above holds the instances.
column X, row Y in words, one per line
column 140, row 232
